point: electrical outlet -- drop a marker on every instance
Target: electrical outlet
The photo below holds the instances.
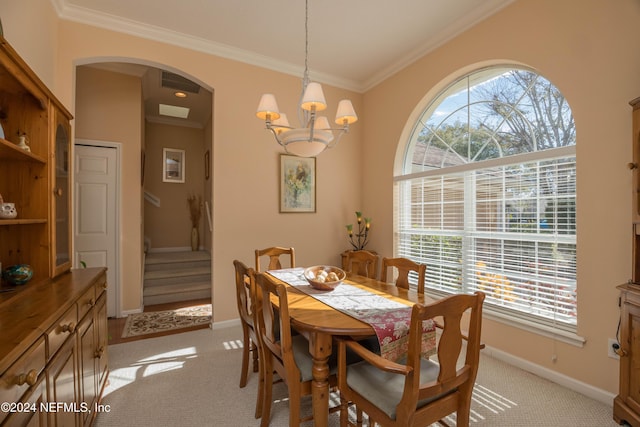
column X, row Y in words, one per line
column 612, row 346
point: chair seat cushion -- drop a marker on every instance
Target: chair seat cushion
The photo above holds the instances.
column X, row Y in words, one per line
column 305, row 362
column 384, row 389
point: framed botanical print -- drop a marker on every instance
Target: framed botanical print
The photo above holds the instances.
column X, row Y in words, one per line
column 297, row 184
column 172, row 165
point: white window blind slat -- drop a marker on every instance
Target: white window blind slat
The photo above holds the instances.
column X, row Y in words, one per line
column 487, row 200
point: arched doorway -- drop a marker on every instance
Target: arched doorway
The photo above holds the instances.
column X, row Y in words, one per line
column 118, row 100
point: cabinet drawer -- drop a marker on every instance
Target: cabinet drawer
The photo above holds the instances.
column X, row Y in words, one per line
column 101, row 285
column 61, row 330
column 86, row 302
column 24, row 373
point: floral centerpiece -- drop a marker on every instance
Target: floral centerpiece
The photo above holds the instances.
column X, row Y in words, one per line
column 360, row 238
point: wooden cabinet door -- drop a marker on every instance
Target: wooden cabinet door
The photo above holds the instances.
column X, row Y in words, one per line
column 62, row 382
column 34, row 399
column 87, row 368
column 61, row 200
column 102, row 337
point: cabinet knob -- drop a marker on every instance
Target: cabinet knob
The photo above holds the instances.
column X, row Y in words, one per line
column 69, row 327
column 57, row 191
column 99, row 352
column 632, row 166
column 91, row 302
column 29, row 378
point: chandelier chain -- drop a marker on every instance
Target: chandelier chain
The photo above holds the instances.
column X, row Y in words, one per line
column 304, row 116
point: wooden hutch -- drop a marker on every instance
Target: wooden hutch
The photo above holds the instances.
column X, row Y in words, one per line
column 626, row 406
column 53, row 339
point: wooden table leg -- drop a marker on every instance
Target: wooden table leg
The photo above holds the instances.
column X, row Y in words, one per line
column 320, row 350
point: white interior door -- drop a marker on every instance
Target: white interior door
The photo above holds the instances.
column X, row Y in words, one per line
column 96, row 205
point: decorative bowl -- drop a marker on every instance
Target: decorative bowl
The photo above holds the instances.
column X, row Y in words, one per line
column 18, row 274
column 324, row 277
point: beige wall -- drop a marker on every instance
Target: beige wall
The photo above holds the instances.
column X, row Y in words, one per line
column 245, row 157
column 587, row 48
column 169, row 225
column 108, row 109
column 31, row 27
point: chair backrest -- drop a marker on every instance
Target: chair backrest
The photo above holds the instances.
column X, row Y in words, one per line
column 245, row 291
column 274, row 253
column 362, row 262
column 454, row 384
column 404, row 266
column 274, row 327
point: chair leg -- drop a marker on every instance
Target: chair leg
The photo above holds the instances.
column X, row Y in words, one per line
column 259, row 402
column 344, row 411
column 246, row 346
column 266, row 393
column 294, row 406
column 254, row 352
column 358, row 417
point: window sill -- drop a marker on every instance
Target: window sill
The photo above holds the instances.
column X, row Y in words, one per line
column 536, row 328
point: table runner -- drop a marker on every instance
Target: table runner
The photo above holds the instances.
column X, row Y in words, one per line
column 389, row 319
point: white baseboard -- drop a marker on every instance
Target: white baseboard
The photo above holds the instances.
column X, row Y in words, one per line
column 128, row 312
column 558, row 378
column 225, row 324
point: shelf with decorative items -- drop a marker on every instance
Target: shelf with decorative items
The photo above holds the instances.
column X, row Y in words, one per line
column 30, row 212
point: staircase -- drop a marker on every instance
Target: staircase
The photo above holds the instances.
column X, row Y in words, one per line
column 176, row 276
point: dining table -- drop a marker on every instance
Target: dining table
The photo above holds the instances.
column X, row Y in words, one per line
column 321, row 323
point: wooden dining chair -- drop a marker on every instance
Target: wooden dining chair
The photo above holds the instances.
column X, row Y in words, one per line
column 245, row 297
column 417, row 391
column 362, row 262
column 283, row 353
column 403, row 266
column 274, row 253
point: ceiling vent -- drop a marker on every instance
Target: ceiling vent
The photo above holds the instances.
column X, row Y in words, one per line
column 176, row 82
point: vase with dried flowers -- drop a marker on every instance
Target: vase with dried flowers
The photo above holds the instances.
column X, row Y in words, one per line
column 360, row 238
column 195, row 212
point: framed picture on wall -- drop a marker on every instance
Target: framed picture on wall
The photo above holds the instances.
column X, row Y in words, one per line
column 297, row 184
column 172, row 165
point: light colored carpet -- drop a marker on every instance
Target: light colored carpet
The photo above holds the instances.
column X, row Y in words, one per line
column 191, row 379
column 161, row 321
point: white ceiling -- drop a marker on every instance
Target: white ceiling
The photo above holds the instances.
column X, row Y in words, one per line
column 353, row 44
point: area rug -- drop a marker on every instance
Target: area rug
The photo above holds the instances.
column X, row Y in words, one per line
column 162, row 321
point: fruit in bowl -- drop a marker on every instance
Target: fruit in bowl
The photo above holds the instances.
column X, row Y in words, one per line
column 324, row 277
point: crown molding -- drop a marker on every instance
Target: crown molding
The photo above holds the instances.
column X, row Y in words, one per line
column 163, row 35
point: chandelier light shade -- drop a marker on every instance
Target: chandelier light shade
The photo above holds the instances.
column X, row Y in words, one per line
column 315, row 134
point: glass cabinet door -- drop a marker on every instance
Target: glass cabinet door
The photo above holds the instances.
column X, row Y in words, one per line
column 61, row 207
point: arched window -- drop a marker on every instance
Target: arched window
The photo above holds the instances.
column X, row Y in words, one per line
column 486, row 196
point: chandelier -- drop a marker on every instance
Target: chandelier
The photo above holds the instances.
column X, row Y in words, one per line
column 316, row 134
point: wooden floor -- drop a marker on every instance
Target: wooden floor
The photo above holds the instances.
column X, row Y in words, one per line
column 116, row 325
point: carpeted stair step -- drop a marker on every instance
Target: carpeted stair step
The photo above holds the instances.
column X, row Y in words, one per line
column 177, row 260
column 175, row 293
column 184, row 287
column 176, row 276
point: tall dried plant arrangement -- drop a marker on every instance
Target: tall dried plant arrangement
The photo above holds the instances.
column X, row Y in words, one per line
column 195, row 209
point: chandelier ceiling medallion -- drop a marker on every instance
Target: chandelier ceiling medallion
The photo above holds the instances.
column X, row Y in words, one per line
column 316, row 134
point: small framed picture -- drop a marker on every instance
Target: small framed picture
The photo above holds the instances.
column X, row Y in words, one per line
column 297, row 184
column 173, row 165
